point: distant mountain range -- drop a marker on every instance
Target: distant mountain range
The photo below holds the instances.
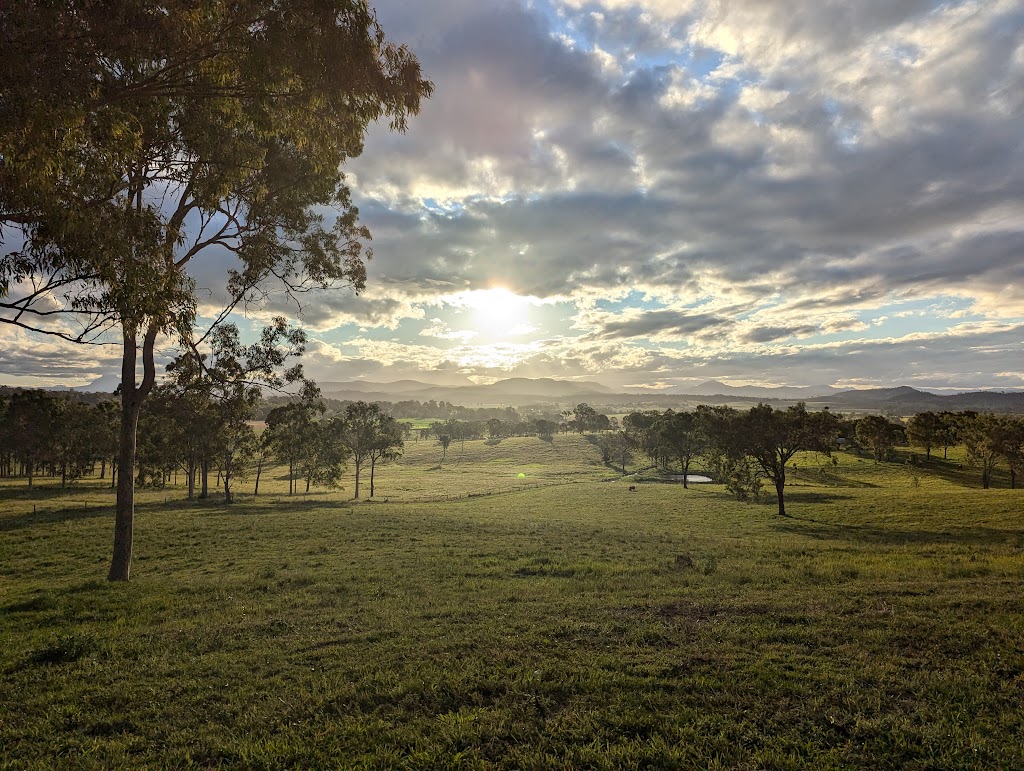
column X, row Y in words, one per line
column 519, row 391
column 512, row 391
column 717, row 388
column 905, row 400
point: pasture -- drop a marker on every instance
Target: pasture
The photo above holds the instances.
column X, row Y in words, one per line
column 469, row 619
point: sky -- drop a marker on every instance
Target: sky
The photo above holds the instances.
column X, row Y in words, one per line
column 650, row 194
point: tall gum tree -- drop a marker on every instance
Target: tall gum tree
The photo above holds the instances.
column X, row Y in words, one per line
column 137, row 137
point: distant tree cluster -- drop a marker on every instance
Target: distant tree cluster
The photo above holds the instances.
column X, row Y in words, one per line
column 42, row 433
column 745, row 449
column 198, row 423
column 204, row 436
column 990, row 440
column 740, row 449
column 430, row 410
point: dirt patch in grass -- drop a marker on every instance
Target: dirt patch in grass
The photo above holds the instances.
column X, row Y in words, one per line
column 688, row 611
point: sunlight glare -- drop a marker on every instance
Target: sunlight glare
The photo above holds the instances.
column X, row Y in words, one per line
column 497, row 312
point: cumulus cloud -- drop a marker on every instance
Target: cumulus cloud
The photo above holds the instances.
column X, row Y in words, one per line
column 730, row 189
column 34, row 360
column 441, row 331
column 768, row 334
column 659, row 324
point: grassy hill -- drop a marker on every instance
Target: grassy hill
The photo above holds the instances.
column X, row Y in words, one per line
column 564, row 622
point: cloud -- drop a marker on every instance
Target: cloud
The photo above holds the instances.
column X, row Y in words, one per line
column 768, row 334
column 754, row 181
column 658, row 324
column 727, row 189
column 36, row 360
column 441, row 331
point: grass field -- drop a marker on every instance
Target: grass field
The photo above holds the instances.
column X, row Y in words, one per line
column 560, row 622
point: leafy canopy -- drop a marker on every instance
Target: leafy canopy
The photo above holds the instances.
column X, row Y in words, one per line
column 135, row 136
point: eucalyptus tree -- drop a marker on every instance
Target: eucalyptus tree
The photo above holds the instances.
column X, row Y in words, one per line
column 949, row 434
column 925, row 429
column 32, row 422
column 6, row 439
column 641, row 428
column 545, row 429
column 166, row 437
column 107, row 427
column 262, row 452
column 772, row 437
column 982, row 435
column 370, row 434
column 725, row 455
column 79, row 444
column 618, row 447
column 323, row 455
column 189, row 412
column 290, row 429
column 225, row 385
column 877, row 434
column 138, row 137
column 682, row 434
column 585, row 417
column 387, row 447
column 496, row 428
column 1009, row 440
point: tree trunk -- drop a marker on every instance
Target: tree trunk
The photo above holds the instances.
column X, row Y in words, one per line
column 190, row 473
column 358, row 463
column 227, row 480
column 373, row 465
column 204, row 474
column 259, row 470
column 686, row 474
column 103, row 468
column 780, row 487
column 29, row 465
column 131, row 404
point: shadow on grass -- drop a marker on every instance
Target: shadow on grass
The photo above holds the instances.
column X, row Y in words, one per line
column 799, row 496
column 975, row 536
column 36, row 515
column 252, row 506
column 52, row 516
column 48, row 492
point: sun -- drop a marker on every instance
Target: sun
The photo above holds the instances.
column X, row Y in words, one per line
column 497, row 312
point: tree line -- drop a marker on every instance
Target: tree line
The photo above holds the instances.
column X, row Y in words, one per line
column 743, row 450
column 199, row 423
column 210, row 441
